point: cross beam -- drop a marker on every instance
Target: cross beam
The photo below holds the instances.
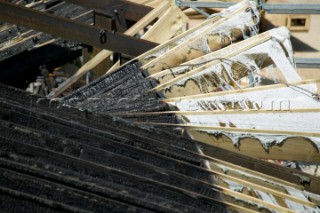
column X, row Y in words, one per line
column 72, row 30
column 132, row 11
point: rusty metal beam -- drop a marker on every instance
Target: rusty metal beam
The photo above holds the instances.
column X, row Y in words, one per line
column 72, row 30
column 132, row 11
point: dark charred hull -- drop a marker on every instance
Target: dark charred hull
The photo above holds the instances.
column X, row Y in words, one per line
column 102, row 84
column 44, row 148
column 131, row 197
column 165, row 118
column 83, row 169
column 125, row 90
column 15, row 201
column 102, row 152
column 93, row 135
column 54, row 157
column 41, row 188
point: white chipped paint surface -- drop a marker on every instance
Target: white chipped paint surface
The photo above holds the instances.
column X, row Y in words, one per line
column 241, row 21
column 300, row 194
column 287, row 121
column 316, row 140
column 266, row 140
column 279, row 35
column 270, row 99
column 248, row 60
column 297, row 207
column 249, row 175
column 273, row 99
column 298, row 97
column 234, row 186
column 296, row 193
column 267, row 198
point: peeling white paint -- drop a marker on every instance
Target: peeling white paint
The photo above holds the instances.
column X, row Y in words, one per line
column 297, row 207
column 248, row 175
column 267, row 198
column 268, row 99
column 280, row 34
column 240, row 21
column 316, row 141
column 296, row 193
column 266, row 140
column 234, row 186
column 309, row 168
column 313, row 195
column 277, row 121
column 248, row 59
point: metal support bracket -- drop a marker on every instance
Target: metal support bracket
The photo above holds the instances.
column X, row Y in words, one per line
column 200, row 11
column 119, row 17
column 307, row 62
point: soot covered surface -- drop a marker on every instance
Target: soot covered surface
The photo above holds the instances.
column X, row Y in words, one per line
column 63, row 160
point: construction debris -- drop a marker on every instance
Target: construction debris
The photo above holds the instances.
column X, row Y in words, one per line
column 59, row 159
column 229, row 87
column 200, row 123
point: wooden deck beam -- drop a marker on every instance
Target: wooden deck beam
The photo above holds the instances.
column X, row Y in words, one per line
column 69, row 29
column 132, row 11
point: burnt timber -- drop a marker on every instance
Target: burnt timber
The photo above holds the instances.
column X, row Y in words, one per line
column 132, row 11
column 33, row 48
column 69, row 29
column 74, row 155
column 108, row 159
column 97, row 173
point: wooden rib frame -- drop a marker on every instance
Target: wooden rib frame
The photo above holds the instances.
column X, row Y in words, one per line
column 238, row 91
column 157, row 64
column 259, row 40
column 159, row 31
column 104, row 54
column 250, row 42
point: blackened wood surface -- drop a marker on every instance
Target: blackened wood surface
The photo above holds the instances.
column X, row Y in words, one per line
column 11, row 37
column 20, row 53
column 155, row 140
column 56, row 161
column 125, row 90
column 61, row 159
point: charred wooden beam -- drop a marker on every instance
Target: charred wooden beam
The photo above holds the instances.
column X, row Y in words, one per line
column 105, row 176
column 107, row 191
column 72, row 30
column 33, row 49
column 132, row 11
column 99, row 129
